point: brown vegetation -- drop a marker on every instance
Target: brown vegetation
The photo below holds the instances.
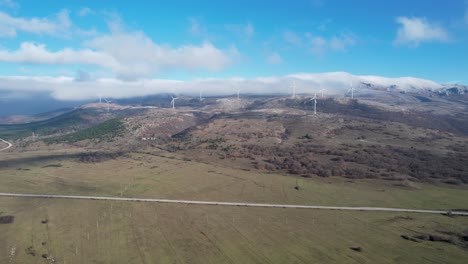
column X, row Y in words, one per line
column 94, row 157
column 451, row 123
column 7, row 219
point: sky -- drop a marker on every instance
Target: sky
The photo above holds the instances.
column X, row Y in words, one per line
column 75, row 50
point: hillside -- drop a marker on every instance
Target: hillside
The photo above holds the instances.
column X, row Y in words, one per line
column 357, row 139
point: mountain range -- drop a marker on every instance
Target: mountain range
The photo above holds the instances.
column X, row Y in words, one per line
column 29, row 97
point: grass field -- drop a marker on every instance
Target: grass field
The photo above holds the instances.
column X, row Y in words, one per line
column 149, row 176
column 71, row 231
column 119, row 232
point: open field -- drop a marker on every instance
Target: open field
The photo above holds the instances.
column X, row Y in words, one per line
column 120, row 232
column 132, row 232
column 149, row 176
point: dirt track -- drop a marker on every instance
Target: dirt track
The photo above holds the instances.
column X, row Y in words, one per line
column 6, row 142
column 381, row 209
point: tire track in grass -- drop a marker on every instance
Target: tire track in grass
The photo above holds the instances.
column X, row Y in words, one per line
column 136, row 239
column 251, row 244
column 169, row 244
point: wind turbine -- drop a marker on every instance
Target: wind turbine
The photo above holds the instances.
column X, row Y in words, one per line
column 321, row 92
column 293, row 86
column 100, row 98
column 173, row 101
column 201, row 98
column 352, row 91
column 108, row 102
column 238, row 93
column 315, row 103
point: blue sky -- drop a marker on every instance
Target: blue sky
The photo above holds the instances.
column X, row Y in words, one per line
column 44, row 42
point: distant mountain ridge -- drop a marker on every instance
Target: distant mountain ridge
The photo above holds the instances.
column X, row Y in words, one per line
column 155, row 92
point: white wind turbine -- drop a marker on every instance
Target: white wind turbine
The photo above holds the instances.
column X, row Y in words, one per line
column 238, row 94
column 201, row 98
column 173, row 101
column 100, row 98
column 293, row 86
column 108, row 102
column 315, row 103
column 352, row 91
column 321, row 92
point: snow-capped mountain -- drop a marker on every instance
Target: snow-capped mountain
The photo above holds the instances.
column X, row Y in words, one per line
column 47, row 91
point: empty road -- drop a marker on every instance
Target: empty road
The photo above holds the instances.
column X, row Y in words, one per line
column 382, row 209
column 6, row 142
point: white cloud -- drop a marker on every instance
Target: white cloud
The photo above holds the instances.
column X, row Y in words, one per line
column 413, row 31
column 127, row 54
column 58, row 25
column 32, row 53
column 85, row 11
column 274, row 59
column 292, row 38
column 402, row 83
column 9, row 3
column 86, row 88
column 137, row 55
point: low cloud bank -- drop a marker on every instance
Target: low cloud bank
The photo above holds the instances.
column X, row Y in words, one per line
column 83, row 88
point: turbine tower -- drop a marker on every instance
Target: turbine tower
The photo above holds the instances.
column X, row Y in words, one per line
column 108, row 102
column 201, row 98
column 238, row 93
column 100, row 98
column 293, row 86
column 352, row 91
column 173, row 101
column 315, row 103
column 321, row 92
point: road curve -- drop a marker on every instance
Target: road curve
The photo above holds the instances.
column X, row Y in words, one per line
column 8, row 143
column 382, row 209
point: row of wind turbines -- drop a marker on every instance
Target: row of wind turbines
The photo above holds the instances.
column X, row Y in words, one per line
column 200, row 98
column 321, row 91
column 293, row 86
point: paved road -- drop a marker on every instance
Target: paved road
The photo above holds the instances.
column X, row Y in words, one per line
column 8, row 143
column 385, row 209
